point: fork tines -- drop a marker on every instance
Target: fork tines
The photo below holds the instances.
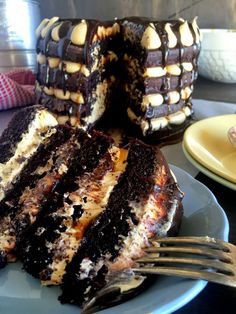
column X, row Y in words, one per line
column 207, row 258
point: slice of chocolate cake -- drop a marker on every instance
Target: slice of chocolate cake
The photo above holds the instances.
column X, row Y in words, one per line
column 145, row 202
column 78, row 209
column 64, row 205
column 22, row 201
column 28, row 129
column 81, row 210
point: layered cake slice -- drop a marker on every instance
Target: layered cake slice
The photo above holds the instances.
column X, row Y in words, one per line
column 146, row 202
column 50, row 151
column 81, row 210
column 47, row 250
column 20, row 141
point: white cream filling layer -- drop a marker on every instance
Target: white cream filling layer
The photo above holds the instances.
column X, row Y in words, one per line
column 104, row 32
column 39, row 129
column 96, row 192
column 98, row 107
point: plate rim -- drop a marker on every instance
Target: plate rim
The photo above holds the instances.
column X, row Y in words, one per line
column 190, row 290
column 206, row 171
column 197, row 156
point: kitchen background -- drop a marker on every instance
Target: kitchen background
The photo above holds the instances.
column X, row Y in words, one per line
column 212, row 13
column 20, row 18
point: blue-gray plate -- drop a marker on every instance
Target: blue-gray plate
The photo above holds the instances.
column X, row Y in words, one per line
column 22, row 294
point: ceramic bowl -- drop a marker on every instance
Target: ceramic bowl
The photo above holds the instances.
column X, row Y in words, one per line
column 217, row 59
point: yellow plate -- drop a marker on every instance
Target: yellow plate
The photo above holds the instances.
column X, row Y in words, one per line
column 207, row 141
column 207, row 172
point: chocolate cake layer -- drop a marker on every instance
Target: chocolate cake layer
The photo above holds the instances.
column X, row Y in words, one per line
column 14, row 132
column 20, row 141
column 21, row 206
column 37, row 257
column 80, row 209
column 145, row 198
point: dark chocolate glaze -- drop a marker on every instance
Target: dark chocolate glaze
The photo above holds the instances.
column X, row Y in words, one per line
column 167, row 83
column 163, row 110
column 130, row 45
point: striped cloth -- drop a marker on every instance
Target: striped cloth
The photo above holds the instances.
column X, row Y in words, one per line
column 16, row 89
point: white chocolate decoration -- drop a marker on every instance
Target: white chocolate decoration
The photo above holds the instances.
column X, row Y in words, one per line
column 103, row 32
column 172, row 40
column 186, row 36
column 177, row 118
column 55, row 33
column 144, row 126
column 154, row 72
column 154, row 100
column 196, row 29
column 85, row 70
column 173, row 69
column 151, row 39
column 41, row 58
column 232, row 135
column 40, row 27
column 158, row 123
column 186, row 92
column 77, row 98
column 49, row 24
column 187, row 66
column 53, row 62
column 62, row 119
column 187, row 111
column 59, row 93
column 173, row 97
column 71, row 67
column 48, row 90
column 79, row 33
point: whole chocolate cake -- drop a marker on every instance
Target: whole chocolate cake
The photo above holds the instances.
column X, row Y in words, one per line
column 135, row 70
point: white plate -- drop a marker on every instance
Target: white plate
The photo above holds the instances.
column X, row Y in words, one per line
column 20, row 293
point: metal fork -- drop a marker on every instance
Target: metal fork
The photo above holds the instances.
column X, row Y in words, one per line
column 207, row 258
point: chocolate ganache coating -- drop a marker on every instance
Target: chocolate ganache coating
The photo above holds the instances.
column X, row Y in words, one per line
column 137, row 68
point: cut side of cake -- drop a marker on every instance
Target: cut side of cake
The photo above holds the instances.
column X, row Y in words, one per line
column 81, row 210
column 136, row 72
column 50, row 244
column 146, row 202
